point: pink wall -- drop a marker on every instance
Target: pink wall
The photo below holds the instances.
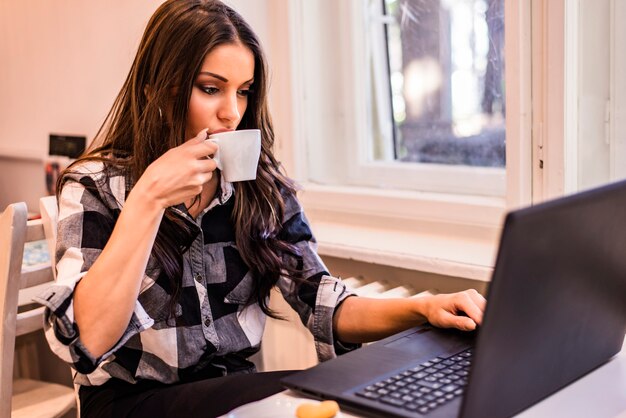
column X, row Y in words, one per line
column 61, row 64
column 63, row 61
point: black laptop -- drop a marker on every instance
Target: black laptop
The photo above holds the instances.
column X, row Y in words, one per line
column 556, row 310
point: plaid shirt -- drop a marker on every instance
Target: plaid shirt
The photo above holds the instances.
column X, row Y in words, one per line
column 212, row 327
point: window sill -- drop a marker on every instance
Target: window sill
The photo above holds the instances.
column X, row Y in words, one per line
column 428, row 253
column 443, row 234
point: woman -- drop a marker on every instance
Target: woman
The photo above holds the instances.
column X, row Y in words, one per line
column 164, row 268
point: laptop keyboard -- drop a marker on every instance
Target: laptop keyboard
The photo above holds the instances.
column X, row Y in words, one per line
column 425, row 387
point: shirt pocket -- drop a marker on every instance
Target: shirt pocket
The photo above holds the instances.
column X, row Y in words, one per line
column 250, row 317
column 219, row 257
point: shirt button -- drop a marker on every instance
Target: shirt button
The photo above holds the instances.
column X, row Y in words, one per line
column 198, row 277
column 207, row 322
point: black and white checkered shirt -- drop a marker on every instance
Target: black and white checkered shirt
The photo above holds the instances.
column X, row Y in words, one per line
column 212, row 326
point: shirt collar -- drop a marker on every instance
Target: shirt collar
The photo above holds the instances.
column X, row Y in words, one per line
column 226, row 191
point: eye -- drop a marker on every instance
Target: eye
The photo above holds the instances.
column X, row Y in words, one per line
column 245, row 92
column 210, row 90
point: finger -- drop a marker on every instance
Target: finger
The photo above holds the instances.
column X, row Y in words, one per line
column 200, row 136
column 478, row 299
column 198, row 180
column 466, row 304
column 206, row 165
column 203, row 134
column 206, row 177
column 203, row 148
column 213, row 147
column 449, row 320
column 465, row 324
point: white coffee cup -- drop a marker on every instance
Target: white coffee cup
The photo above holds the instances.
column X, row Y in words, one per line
column 238, row 153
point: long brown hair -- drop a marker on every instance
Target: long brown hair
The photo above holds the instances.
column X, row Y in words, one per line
column 177, row 38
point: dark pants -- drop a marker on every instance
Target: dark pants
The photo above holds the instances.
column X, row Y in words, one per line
column 209, row 397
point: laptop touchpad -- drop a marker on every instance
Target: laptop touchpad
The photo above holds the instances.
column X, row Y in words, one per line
column 428, row 340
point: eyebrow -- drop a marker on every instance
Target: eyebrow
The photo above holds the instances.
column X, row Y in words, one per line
column 221, row 78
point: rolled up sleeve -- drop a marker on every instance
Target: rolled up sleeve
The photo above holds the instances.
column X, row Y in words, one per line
column 63, row 334
column 318, row 296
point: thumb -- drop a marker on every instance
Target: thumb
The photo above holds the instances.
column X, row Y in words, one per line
column 463, row 323
column 203, row 134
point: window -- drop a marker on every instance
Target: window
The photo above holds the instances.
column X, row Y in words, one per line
column 391, row 105
column 435, row 217
column 565, row 107
column 445, row 72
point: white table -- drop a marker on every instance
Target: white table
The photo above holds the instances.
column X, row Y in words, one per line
column 600, row 394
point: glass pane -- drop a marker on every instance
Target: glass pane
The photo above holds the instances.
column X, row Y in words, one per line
column 446, row 76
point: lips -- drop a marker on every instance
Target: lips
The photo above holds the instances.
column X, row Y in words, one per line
column 218, row 131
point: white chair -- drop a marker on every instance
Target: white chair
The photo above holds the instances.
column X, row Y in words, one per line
column 23, row 397
column 49, row 217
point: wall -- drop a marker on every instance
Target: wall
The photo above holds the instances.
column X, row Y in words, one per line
column 63, row 62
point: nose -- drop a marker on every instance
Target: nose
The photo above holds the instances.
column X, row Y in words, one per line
column 229, row 109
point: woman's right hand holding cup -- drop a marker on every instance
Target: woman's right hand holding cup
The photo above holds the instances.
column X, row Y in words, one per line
column 180, row 173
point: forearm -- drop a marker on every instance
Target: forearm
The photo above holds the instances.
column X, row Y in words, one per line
column 361, row 319
column 105, row 298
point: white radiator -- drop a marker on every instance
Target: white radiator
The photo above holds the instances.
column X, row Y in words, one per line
column 288, row 345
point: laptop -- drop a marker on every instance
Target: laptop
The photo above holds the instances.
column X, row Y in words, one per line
column 555, row 312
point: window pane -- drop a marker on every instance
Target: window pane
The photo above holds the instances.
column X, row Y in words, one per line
column 446, row 81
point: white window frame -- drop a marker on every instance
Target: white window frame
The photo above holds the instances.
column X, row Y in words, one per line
column 549, row 78
column 380, row 70
column 363, row 170
column 352, row 71
column 558, row 109
column 618, row 87
column 392, row 214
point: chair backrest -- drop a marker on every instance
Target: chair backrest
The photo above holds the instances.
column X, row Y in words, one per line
column 18, row 284
column 49, row 216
